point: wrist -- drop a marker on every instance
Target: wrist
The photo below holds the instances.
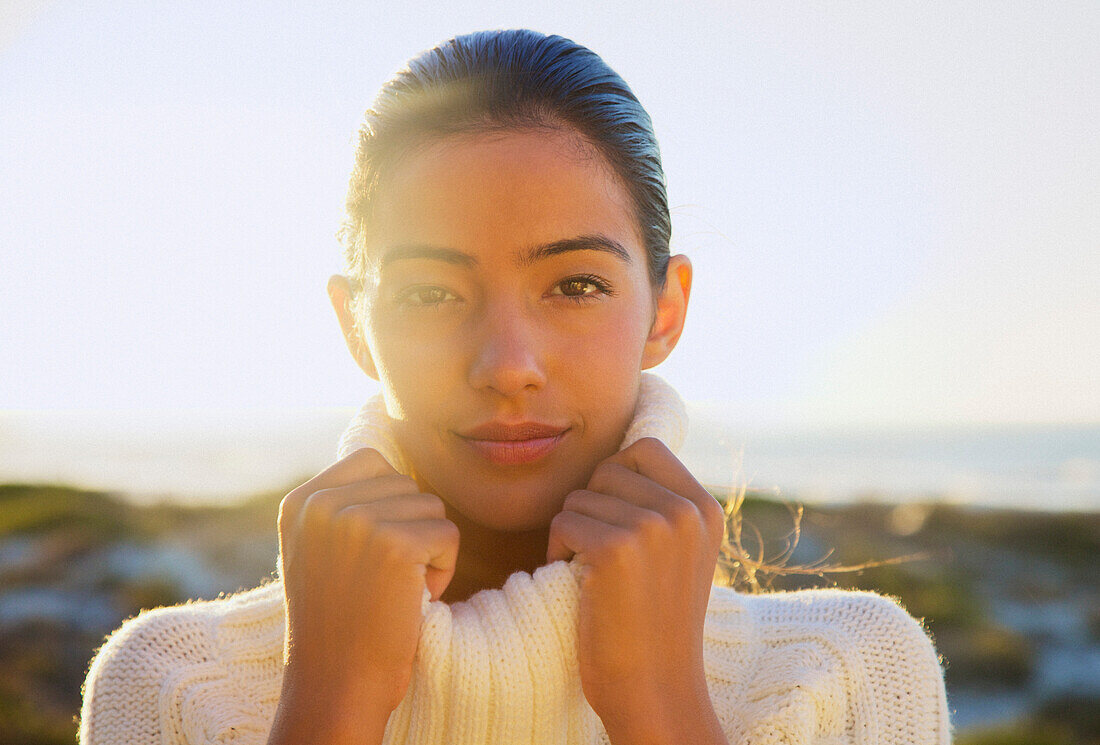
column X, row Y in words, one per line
column 299, row 726
column 313, row 713
column 671, row 714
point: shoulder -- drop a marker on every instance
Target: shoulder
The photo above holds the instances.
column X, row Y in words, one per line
column 204, row 671
column 852, row 665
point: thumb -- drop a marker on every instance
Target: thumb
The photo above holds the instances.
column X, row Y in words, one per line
column 437, row 580
column 439, row 569
column 556, row 550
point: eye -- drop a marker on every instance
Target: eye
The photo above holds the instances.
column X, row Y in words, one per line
column 425, row 296
column 582, row 287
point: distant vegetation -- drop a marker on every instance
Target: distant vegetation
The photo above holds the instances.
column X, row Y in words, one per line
column 1000, row 591
column 74, row 564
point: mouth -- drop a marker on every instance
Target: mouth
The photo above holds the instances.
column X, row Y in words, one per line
column 513, row 444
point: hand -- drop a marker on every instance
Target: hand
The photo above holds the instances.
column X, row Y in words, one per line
column 647, row 536
column 358, row 545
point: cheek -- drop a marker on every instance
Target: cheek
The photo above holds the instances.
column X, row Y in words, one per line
column 415, row 369
column 614, row 336
column 613, row 344
column 601, row 361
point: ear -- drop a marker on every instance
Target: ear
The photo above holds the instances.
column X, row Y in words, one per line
column 340, row 293
column 672, row 304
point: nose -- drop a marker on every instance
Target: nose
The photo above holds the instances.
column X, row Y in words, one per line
column 508, row 354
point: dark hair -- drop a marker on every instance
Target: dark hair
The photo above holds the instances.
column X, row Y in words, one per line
column 492, row 80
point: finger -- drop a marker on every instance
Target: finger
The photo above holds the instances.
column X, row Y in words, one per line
column 430, row 544
column 616, row 480
column 650, row 457
column 317, row 513
column 436, row 544
column 320, row 508
column 360, row 465
column 442, row 557
column 574, row 535
column 669, row 508
column 609, row 509
column 405, row 508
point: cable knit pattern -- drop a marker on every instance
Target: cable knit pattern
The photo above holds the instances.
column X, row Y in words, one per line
column 822, row 666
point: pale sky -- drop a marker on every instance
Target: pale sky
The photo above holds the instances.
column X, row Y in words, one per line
column 893, row 209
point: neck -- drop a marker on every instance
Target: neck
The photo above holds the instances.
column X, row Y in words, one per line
column 487, row 557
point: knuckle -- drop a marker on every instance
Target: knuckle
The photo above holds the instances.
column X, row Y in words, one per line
column 389, row 543
column 397, row 482
column 560, row 521
column 289, row 508
column 652, row 527
column 614, row 472
column 368, row 460
column 363, row 455
column 651, row 446
column 573, row 501
column 621, row 549
column 451, row 532
column 320, row 506
column 435, row 507
column 683, row 514
column 602, row 473
column 609, row 476
column 356, row 523
column 564, row 525
column 713, row 513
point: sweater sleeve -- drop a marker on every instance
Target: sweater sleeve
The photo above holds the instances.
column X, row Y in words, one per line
column 822, row 666
column 166, row 678
column 903, row 671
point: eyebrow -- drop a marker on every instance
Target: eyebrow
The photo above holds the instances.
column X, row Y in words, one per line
column 418, row 251
column 530, row 256
column 580, row 243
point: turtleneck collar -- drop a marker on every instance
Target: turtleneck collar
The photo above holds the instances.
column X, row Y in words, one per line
column 503, row 658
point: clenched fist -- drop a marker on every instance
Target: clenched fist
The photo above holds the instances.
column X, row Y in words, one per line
column 647, row 536
column 358, row 545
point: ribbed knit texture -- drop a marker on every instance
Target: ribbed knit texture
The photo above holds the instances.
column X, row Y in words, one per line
column 822, row 666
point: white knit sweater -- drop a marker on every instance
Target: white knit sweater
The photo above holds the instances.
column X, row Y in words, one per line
column 821, row 666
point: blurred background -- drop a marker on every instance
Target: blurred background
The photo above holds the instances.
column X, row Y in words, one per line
column 893, row 211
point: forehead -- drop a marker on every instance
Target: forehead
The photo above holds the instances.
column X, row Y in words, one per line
column 502, row 191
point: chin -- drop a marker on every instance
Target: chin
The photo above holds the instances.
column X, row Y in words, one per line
column 513, row 510
column 510, row 499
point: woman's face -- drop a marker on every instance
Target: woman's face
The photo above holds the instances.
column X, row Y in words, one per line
column 509, row 315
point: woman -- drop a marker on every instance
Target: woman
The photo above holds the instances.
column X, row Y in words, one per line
column 507, row 550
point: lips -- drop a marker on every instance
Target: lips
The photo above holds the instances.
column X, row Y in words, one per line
column 513, row 444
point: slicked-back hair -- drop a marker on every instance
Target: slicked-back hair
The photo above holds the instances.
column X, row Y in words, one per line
column 499, row 81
